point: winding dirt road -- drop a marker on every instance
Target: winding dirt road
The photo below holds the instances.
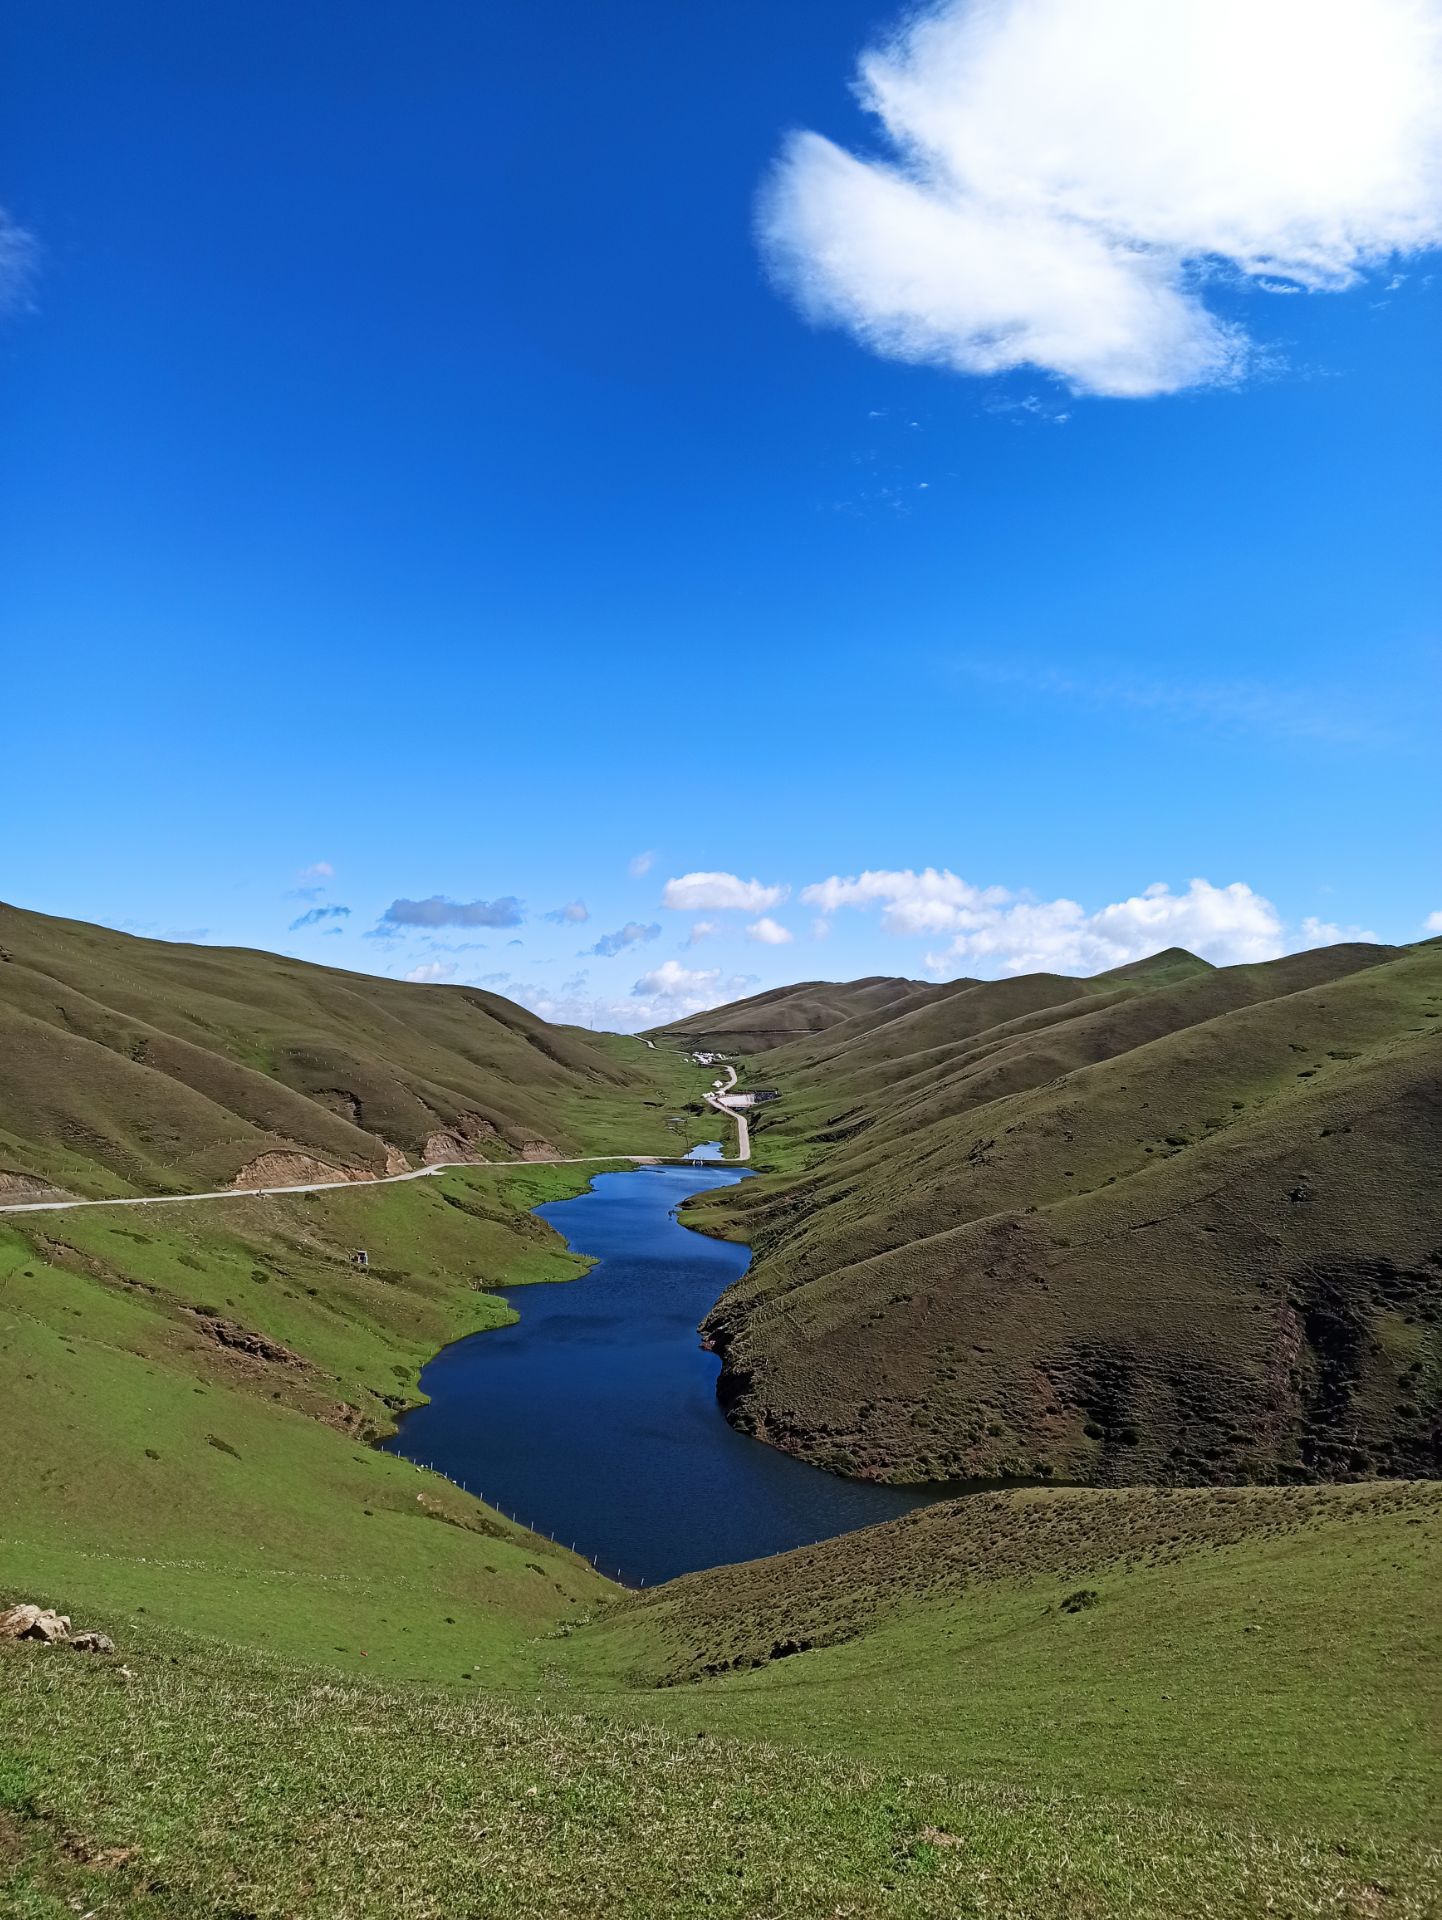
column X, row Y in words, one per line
column 743, row 1152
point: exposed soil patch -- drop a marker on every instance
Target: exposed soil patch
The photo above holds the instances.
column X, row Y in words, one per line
column 292, row 1170
column 238, row 1339
column 462, row 1140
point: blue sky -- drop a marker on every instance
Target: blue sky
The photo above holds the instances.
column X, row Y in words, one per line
column 533, row 456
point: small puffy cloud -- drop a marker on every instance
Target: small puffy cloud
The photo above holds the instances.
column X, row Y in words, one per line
column 702, row 892
column 436, row 912
column 1227, row 925
column 631, row 935
column 769, row 932
column 820, row 929
column 673, row 981
column 1064, row 185
column 432, row 972
column 641, row 864
column 316, row 914
column 1433, row 923
column 571, row 915
column 702, row 930
column 1326, row 933
column 317, row 870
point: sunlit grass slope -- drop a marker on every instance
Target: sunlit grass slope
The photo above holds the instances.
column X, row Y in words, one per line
column 193, row 1392
column 1042, row 1705
column 1265, row 1653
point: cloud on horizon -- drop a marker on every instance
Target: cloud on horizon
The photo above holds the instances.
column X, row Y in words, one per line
column 1288, row 147
column 1226, row 925
column 666, row 993
column 1011, row 933
column 437, row 912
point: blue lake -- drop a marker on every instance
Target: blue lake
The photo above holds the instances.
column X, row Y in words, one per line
column 594, row 1418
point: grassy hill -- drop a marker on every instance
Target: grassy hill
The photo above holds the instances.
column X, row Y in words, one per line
column 134, row 1066
column 1173, row 1224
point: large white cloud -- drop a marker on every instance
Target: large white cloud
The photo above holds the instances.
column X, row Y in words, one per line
column 933, row 901
column 703, row 892
column 1008, row 933
column 1227, row 925
column 1065, row 179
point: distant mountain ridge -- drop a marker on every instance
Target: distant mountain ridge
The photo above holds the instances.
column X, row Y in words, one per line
column 1172, row 1223
column 132, row 1065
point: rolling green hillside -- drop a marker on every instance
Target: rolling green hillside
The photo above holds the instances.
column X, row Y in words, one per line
column 136, row 1066
column 1174, row 1224
column 201, row 1386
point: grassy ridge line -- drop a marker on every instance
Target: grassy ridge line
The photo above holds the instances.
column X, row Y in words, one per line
column 133, row 1066
column 201, row 1385
column 207, row 1788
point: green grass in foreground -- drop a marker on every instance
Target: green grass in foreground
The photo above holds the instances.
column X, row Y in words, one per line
column 175, row 1477
column 1259, row 1653
column 225, row 1786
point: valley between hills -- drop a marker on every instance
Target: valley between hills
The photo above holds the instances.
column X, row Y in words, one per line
column 1168, row 1239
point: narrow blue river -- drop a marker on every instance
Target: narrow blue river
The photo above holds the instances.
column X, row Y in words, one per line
column 594, row 1417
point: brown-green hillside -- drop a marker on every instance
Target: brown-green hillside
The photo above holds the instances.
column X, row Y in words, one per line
column 773, row 1018
column 131, row 1065
column 1177, row 1224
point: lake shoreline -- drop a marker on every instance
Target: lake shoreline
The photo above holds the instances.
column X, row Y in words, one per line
column 594, row 1416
